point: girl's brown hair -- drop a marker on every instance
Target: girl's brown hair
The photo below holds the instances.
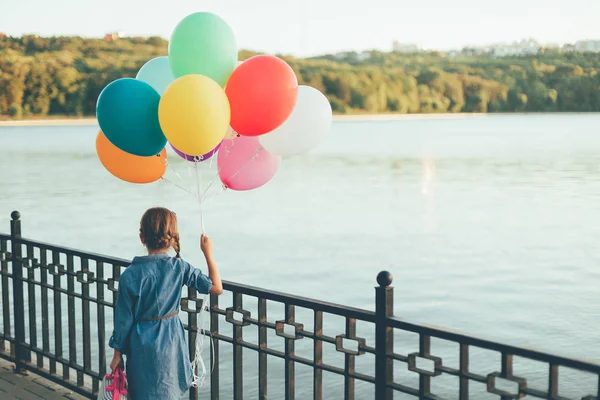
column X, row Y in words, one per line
column 158, row 230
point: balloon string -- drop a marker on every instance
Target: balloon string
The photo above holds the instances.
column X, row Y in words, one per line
column 214, row 179
column 198, row 363
column 197, row 178
column 209, row 185
column 210, row 199
column 199, row 198
column 178, row 186
column 202, row 197
column 257, row 152
column 173, row 169
column 201, row 218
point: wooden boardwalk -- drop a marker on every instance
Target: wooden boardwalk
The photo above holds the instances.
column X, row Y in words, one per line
column 30, row 386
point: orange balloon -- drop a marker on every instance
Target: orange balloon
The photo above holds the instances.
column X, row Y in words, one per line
column 262, row 93
column 129, row 167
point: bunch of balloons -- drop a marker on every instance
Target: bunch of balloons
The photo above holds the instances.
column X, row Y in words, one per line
column 203, row 102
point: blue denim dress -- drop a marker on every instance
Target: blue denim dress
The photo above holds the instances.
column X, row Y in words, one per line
column 158, row 364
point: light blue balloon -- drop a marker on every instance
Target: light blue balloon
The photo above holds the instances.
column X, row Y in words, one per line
column 156, row 73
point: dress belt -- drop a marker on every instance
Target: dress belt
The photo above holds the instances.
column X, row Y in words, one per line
column 159, row 318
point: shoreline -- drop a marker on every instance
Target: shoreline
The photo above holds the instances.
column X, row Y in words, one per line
column 355, row 117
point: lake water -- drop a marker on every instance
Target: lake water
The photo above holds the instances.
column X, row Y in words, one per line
column 488, row 224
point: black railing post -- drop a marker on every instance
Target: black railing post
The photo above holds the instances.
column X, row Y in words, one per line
column 384, row 337
column 18, row 301
column 214, row 349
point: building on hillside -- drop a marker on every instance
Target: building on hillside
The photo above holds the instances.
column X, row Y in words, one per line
column 406, row 47
column 588, row 46
column 110, row 37
column 524, row 47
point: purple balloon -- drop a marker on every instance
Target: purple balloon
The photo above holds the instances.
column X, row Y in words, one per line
column 196, row 158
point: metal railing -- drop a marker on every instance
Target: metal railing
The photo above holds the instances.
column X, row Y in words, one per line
column 38, row 280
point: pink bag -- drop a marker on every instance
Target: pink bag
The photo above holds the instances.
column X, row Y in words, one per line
column 114, row 386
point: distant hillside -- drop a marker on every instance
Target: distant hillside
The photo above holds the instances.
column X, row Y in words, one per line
column 64, row 76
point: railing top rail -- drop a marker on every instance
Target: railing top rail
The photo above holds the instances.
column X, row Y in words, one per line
column 526, row 352
column 74, row 252
column 305, row 302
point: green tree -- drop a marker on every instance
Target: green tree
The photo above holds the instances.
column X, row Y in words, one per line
column 65, row 75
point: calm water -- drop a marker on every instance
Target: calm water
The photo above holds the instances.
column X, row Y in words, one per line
column 489, row 225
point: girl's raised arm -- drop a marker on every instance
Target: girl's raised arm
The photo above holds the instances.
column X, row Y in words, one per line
column 206, row 246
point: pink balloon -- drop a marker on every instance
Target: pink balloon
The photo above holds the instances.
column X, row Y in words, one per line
column 244, row 164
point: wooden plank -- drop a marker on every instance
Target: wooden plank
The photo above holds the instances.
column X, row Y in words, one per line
column 25, row 387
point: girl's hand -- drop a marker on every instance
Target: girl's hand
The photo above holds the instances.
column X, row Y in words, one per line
column 116, row 361
column 206, row 245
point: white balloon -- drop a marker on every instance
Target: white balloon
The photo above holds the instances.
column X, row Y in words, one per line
column 305, row 128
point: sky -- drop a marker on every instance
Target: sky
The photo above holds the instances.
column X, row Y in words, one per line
column 309, row 27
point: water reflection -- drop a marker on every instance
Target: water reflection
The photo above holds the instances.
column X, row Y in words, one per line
column 428, row 180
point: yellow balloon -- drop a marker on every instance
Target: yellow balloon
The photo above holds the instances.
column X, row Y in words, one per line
column 194, row 114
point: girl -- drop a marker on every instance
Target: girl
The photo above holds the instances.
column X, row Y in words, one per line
column 147, row 328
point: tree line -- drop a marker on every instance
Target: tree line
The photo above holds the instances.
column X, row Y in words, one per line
column 63, row 76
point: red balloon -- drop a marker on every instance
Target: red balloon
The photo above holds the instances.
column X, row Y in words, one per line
column 262, row 93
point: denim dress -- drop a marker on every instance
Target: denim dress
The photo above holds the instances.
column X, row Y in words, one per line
column 158, row 364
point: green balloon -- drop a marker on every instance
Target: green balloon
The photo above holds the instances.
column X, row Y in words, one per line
column 204, row 44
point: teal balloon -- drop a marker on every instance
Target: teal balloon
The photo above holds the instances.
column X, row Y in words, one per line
column 204, row 44
column 127, row 112
column 156, row 73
